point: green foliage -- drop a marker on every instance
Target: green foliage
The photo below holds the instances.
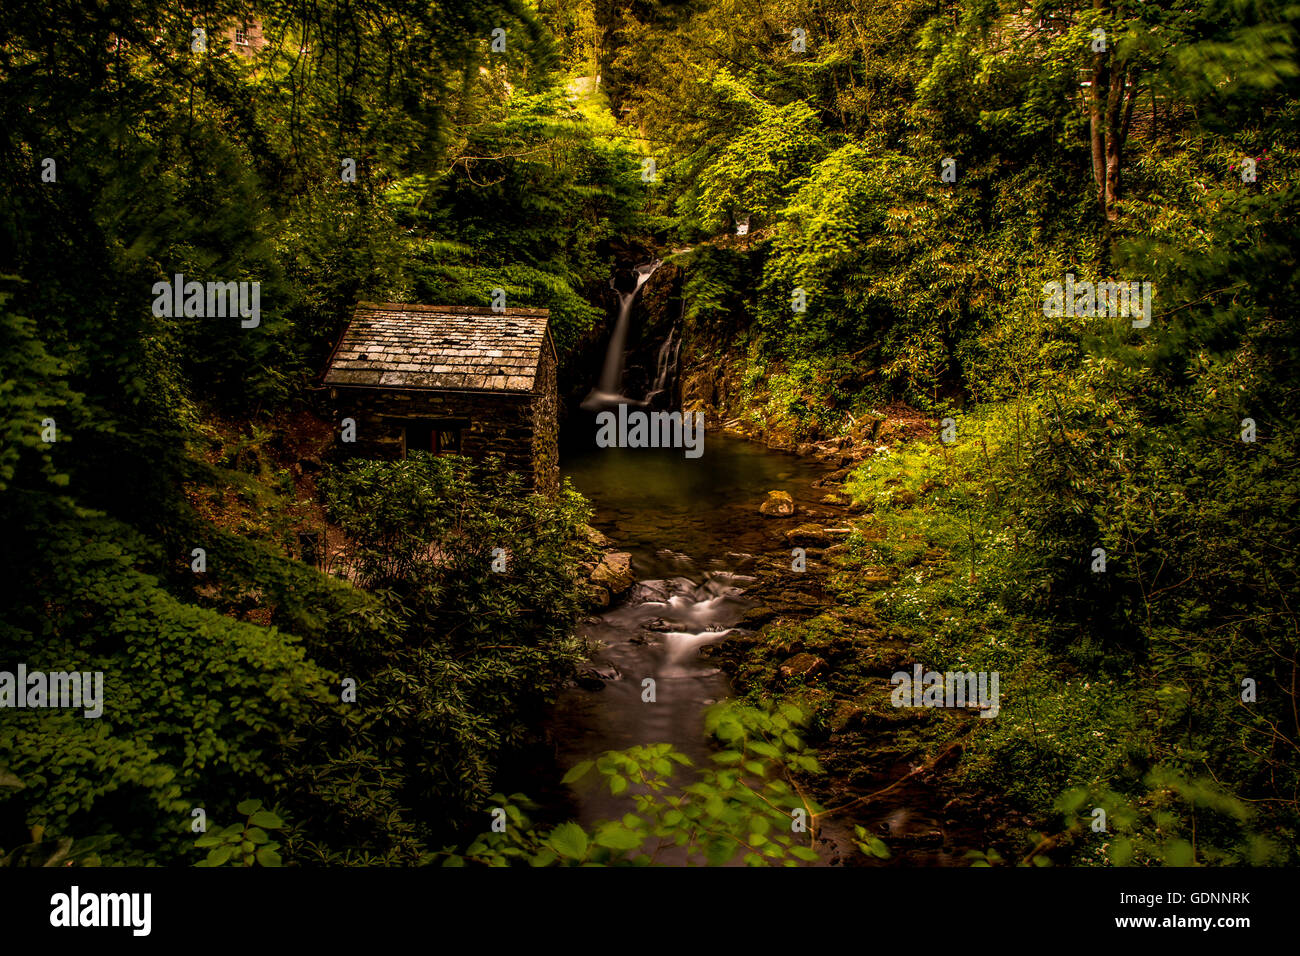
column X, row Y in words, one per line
column 1173, row 821
column 745, row 806
column 459, row 675
column 137, row 768
column 473, row 170
column 243, row 844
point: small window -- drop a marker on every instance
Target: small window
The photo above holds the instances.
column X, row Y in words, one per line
column 431, row 437
column 241, row 35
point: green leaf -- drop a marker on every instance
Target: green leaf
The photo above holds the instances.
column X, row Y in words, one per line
column 720, row 850
column 249, row 807
column 220, row 855
column 578, row 771
column 268, row 857
column 569, row 840
column 615, row 836
column 267, row 819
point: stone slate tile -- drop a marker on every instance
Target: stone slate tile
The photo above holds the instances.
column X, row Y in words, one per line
column 440, row 347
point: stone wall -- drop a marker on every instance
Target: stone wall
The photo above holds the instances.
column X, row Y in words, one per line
column 545, row 418
column 496, row 424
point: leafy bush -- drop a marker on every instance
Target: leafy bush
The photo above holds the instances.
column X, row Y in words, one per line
column 748, row 805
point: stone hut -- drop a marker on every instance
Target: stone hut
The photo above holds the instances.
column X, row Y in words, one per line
column 450, row 379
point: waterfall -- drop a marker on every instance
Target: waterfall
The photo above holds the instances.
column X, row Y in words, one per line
column 665, row 365
column 611, row 376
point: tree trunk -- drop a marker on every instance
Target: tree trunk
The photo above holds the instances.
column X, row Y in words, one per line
column 1115, row 98
column 1111, row 98
column 1096, row 120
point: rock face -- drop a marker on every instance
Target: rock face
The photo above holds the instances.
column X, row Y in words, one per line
column 779, row 504
column 614, row 573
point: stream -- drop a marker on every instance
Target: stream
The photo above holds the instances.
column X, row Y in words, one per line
column 696, row 537
column 694, row 532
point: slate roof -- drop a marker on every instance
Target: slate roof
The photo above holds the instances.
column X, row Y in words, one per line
column 456, row 348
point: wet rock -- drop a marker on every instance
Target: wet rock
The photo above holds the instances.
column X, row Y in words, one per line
column 756, row 617
column 803, row 665
column 595, row 537
column 808, row 536
column 597, row 596
column 596, row 677
column 647, row 591
column 781, row 439
column 806, row 449
column 614, row 572
column 779, row 504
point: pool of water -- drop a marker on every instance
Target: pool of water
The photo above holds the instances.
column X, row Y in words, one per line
column 685, row 516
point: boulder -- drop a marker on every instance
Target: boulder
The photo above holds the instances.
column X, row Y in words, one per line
column 779, row 504
column 808, row 536
column 614, row 573
column 593, row 677
column 803, row 665
column 595, row 537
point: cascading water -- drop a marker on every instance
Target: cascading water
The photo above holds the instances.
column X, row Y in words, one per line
column 665, row 365
column 607, row 392
column 694, row 536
